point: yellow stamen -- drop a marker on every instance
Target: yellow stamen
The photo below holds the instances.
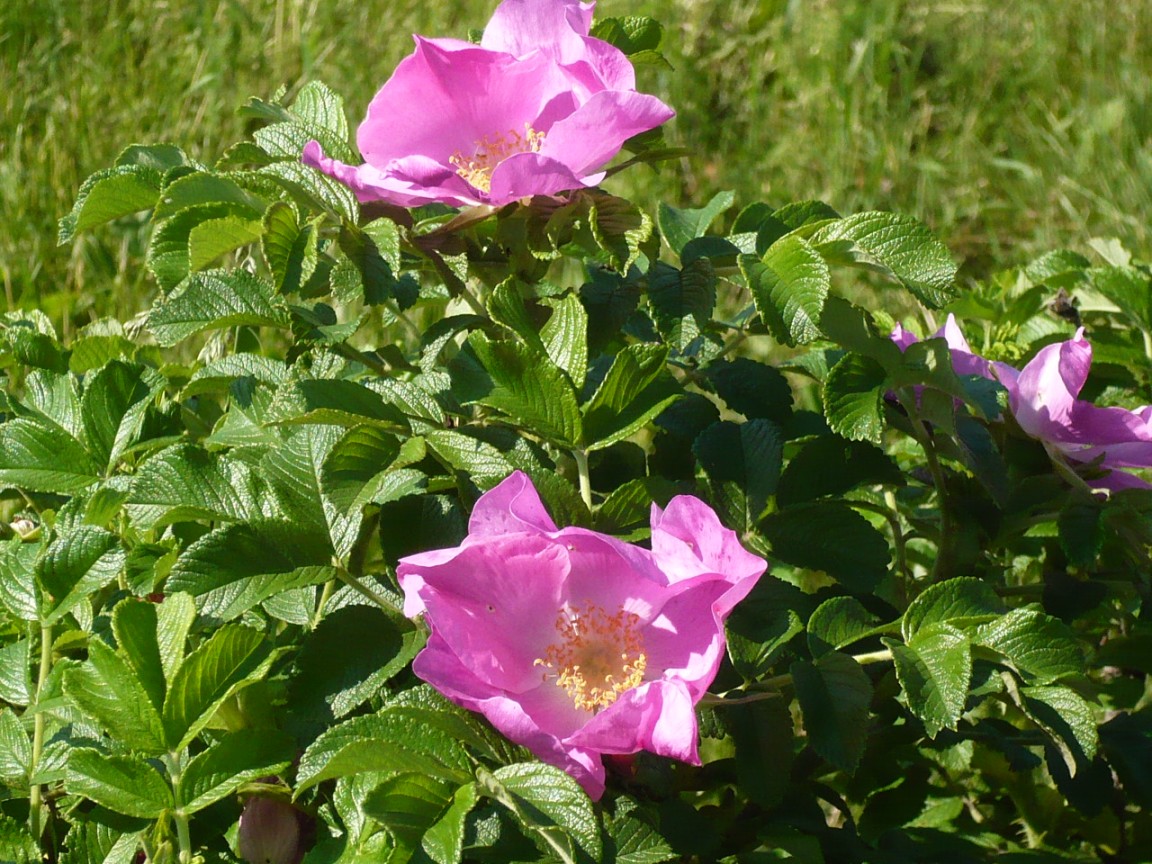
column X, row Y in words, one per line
column 598, row 656
column 491, row 150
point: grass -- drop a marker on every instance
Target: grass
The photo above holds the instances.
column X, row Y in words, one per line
column 1011, row 128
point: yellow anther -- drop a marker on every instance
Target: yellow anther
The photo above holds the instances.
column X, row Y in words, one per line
column 597, row 657
column 491, row 150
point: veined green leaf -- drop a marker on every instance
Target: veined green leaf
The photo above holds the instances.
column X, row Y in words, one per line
column 834, row 696
column 213, row 299
column 123, row 784
column 237, row 758
column 934, row 668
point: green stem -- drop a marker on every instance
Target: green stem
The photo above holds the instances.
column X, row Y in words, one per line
column 1147, row 344
column 770, row 688
column 456, row 286
column 183, row 835
column 581, row 458
column 329, row 587
column 942, row 564
column 364, row 591
column 36, row 796
column 891, row 516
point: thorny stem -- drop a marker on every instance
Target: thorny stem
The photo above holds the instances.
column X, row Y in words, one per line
column 581, row 458
column 770, row 688
column 35, row 798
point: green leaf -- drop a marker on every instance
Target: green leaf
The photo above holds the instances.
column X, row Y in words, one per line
column 15, row 750
column 742, row 462
column 506, row 307
column 620, row 228
column 169, row 257
column 42, row 457
column 313, row 190
column 632, row 393
column 15, row 673
column 1042, row 648
column 237, row 758
column 789, row 283
column 212, row 300
column 355, row 467
column 213, row 238
column 374, row 254
column 16, row 844
column 231, row 659
column 763, row 735
column 632, row 34
column 680, row 226
column 444, row 839
column 635, row 841
column 334, row 402
column 762, row 625
column 202, row 187
column 1068, row 720
column 530, row 389
column 75, row 565
column 934, row 668
column 800, row 535
column 831, row 465
column 135, row 624
column 1081, row 533
column 408, row 805
column 108, row 689
column 387, row 742
column 123, row 784
column 896, row 244
column 956, row 601
column 682, row 300
column 834, row 695
column 185, row 482
column 174, row 619
column 93, row 843
column 565, row 337
column 347, row 660
column 549, row 803
column 837, row 623
column 115, row 400
column 110, row 194
column 754, row 389
column 853, row 394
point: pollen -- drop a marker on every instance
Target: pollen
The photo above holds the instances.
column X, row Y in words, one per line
column 597, row 656
column 491, row 150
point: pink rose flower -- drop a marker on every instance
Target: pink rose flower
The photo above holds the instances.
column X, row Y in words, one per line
column 269, row 832
column 1042, row 397
column 537, row 108
column 573, row 643
column 964, row 361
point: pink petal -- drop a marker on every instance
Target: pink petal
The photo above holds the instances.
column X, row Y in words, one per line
column 495, row 605
column 419, row 180
column 658, row 717
column 595, row 132
column 686, row 640
column 689, row 540
column 1043, row 395
column 527, row 174
column 513, row 506
column 556, row 29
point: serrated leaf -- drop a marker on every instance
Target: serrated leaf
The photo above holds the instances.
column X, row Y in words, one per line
column 853, row 394
column 632, row 393
column 934, row 669
column 214, row 299
column 956, row 601
column 313, row 190
column 186, row 482
column 75, row 565
column 631, row 34
column 347, row 659
column 15, row 750
column 200, row 188
column 135, row 624
column 742, row 462
column 636, row 842
column 110, row 194
column 230, row 659
column 506, row 307
column 681, row 226
column 374, row 253
column 107, row 688
column 1044, row 649
column 42, row 457
column 837, row 623
column 682, row 300
column 799, row 535
column 549, row 802
column 565, row 337
column 1068, row 720
column 123, row 784
column 213, row 238
column 114, row 403
column 237, row 758
column 94, row 843
column 444, row 840
column 174, row 619
column 407, row 805
column 333, row 402
column 362, row 455
column 620, row 227
column 789, row 283
column 15, row 672
column 831, row 465
column 530, row 389
column 168, row 254
column 386, row 742
column 754, row 389
column 834, row 695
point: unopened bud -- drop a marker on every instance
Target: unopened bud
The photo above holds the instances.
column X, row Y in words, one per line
column 269, row 832
column 25, row 529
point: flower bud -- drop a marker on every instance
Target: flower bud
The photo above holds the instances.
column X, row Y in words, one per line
column 269, row 832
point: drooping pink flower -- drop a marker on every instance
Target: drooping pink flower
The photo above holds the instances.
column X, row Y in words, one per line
column 538, row 107
column 1042, row 397
column 964, row 361
column 573, row 643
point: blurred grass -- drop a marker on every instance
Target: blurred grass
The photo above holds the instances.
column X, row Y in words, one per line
column 1011, row 128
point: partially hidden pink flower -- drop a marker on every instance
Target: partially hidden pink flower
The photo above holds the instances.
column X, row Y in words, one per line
column 1042, row 397
column 573, row 643
column 269, row 832
column 964, row 361
column 538, row 107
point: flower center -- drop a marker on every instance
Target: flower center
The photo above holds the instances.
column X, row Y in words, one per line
column 490, row 151
column 597, row 657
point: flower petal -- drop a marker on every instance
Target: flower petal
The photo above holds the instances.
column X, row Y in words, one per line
column 557, row 29
column 527, row 174
column 417, row 181
column 689, row 540
column 658, row 717
column 1043, row 395
column 512, row 506
column 587, row 139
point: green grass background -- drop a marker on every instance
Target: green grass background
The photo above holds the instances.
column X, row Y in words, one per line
column 1011, row 128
